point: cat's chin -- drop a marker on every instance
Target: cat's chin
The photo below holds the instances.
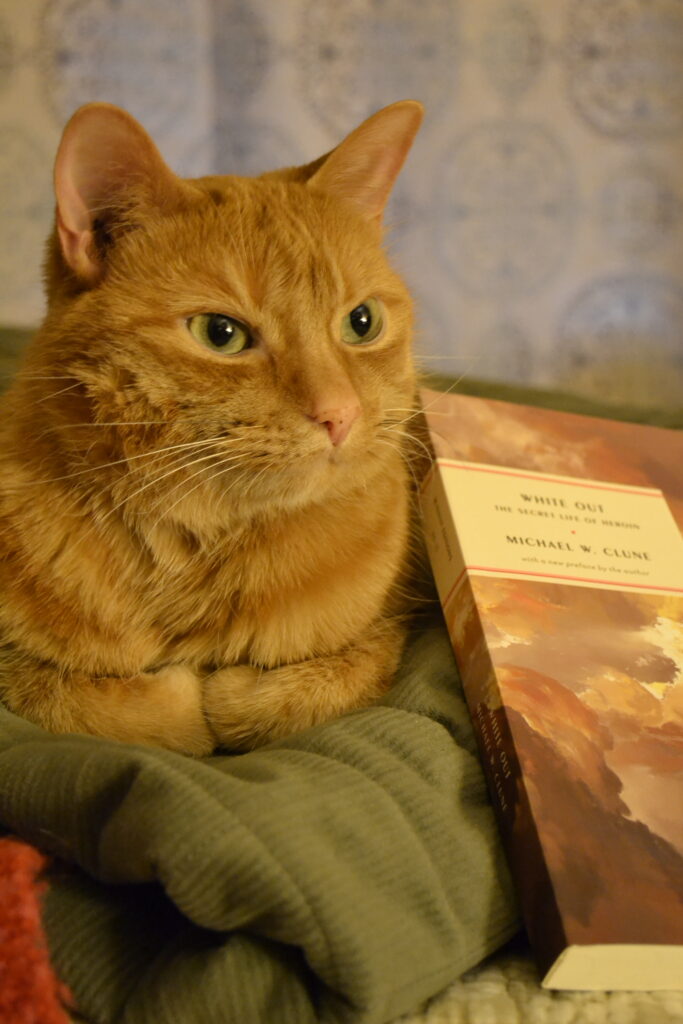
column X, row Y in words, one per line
column 334, row 457
column 315, row 479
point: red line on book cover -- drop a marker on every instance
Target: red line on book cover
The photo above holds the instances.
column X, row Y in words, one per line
column 645, row 492
column 513, row 573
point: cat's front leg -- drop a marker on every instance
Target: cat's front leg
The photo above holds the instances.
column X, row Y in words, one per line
column 248, row 706
column 160, row 708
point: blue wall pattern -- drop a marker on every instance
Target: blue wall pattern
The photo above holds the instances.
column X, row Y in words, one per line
column 539, row 218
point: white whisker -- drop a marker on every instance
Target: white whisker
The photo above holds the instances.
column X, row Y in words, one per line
column 262, row 472
column 424, row 408
column 113, row 423
column 158, row 479
column 37, row 376
column 389, row 444
column 120, row 462
column 222, row 469
column 412, row 439
column 240, row 457
column 412, row 410
column 421, row 359
column 54, row 394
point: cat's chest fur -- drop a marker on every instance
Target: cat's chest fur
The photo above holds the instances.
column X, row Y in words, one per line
column 281, row 591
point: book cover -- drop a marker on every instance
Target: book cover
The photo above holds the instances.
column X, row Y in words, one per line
column 556, row 545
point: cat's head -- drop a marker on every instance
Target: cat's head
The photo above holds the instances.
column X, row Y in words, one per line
column 256, row 322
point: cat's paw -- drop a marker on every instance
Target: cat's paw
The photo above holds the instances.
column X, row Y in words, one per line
column 233, row 705
column 182, row 724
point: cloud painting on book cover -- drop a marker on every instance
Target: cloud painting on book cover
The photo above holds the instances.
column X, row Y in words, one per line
column 557, row 550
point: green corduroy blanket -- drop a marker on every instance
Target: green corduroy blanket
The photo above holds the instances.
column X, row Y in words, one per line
column 343, row 875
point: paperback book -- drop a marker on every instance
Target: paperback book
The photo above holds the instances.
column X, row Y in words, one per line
column 557, row 549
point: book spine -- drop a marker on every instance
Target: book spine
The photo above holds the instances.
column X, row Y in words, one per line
column 491, row 726
column 471, row 653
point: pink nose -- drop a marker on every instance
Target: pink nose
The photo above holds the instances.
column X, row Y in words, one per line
column 337, row 422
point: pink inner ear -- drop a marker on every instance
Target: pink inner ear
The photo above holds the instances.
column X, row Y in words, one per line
column 102, row 152
column 74, row 211
column 74, row 217
column 73, row 228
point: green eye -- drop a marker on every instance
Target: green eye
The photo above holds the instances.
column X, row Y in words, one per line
column 363, row 324
column 220, row 332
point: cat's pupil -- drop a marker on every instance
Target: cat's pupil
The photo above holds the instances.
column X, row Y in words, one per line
column 220, row 330
column 361, row 320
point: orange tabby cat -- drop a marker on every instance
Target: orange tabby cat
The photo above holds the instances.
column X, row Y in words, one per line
column 204, row 501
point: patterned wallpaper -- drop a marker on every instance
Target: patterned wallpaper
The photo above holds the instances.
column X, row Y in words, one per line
column 540, row 216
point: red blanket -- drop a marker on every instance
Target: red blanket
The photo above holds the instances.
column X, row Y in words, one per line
column 30, row 992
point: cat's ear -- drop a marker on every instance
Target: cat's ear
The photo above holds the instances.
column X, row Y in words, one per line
column 364, row 167
column 104, row 158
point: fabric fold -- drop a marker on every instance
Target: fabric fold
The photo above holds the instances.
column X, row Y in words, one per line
column 344, row 874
